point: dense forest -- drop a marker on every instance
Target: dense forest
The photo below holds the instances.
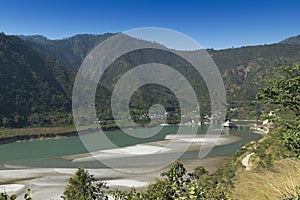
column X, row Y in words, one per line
column 37, row 76
column 32, row 85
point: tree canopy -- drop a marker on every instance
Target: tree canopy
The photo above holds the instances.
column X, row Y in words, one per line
column 82, row 186
column 283, row 91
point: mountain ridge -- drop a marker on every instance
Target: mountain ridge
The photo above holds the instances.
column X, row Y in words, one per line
column 243, row 70
column 30, row 83
column 294, row 40
column 71, row 50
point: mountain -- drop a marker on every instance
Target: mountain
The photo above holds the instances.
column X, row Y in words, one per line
column 30, row 83
column 70, row 51
column 244, row 69
column 292, row 40
column 37, row 77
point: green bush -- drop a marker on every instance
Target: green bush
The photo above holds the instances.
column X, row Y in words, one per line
column 177, row 184
column 291, row 140
column 4, row 196
column 80, row 187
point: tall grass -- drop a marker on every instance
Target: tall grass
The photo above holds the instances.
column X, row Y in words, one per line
column 266, row 184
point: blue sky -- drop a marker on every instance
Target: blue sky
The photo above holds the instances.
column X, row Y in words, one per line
column 214, row 24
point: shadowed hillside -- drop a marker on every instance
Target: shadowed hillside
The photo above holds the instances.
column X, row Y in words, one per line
column 38, row 73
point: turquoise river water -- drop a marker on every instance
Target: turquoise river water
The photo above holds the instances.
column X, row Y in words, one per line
column 49, row 152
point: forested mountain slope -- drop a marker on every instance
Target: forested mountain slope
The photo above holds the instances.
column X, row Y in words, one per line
column 30, row 83
column 37, row 75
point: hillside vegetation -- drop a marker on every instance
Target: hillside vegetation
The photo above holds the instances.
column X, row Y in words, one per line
column 32, row 85
column 38, row 74
column 274, row 162
column 273, row 171
column 292, row 40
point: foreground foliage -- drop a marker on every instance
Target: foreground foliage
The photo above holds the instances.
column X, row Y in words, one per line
column 275, row 159
column 177, row 184
column 284, row 93
column 5, row 196
column 80, row 187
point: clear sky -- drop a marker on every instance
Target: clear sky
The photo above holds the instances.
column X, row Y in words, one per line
column 214, row 24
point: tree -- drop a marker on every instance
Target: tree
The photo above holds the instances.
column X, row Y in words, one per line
column 284, row 92
column 4, row 196
column 80, row 187
column 175, row 185
column 199, row 172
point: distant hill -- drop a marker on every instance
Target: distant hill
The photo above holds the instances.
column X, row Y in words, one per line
column 70, row 51
column 244, row 69
column 292, row 40
column 30, row 83
column 38, row 73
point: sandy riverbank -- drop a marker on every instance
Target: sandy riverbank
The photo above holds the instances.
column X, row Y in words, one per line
column 49, row 183
column 147, row 157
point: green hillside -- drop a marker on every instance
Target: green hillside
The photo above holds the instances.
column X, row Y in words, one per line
column 292, row 40
column 243, row 69
column 38, row 73
column 70, row 51
column 31, row 84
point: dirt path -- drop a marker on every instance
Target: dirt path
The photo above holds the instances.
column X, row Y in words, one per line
column 245, row 161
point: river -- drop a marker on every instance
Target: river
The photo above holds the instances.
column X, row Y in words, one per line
column 51, row 152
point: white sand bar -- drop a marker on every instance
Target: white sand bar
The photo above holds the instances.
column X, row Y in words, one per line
column 126, row 183
column 136, row 150
column 50, row 181
column 11, row 187
column 172, row 143
column 139, row 149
